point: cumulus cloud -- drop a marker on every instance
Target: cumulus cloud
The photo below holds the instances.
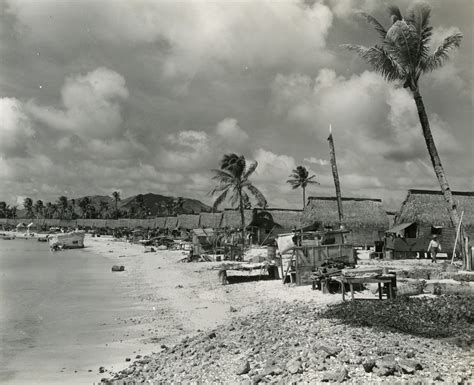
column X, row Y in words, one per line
column 320, row 162
column 16, row 129
column 229, row 132
column 91, row 105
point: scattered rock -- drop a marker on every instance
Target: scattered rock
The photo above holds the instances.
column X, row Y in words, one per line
column 339, row 375
column 244, row 368
column 368, row 365
column 409, row 366
column 118, row 268
column 294, row 366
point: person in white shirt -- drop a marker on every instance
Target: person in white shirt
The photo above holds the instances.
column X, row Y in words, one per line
column 433, row 248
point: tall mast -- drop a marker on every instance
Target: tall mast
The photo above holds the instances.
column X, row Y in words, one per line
column 332, row 153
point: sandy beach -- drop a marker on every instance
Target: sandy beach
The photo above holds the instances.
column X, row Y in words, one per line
column 156, row 301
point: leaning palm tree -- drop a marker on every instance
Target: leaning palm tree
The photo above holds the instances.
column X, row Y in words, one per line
column 403, row 56
column 300, row 178
column 233, row 178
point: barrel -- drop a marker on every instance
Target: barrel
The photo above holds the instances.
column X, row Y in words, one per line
column 271, row 252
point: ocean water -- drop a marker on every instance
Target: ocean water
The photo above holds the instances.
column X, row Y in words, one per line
column 60, row 313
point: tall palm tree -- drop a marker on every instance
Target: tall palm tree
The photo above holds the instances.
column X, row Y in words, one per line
column 234, row 184
column 116, row 196
column 85, row 204
column 73, row 209
column 404, row 55
column 300, row 178
column 103, row 208
column 3, row 209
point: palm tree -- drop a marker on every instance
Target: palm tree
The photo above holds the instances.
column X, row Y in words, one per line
column 178, row 204
column 233, row 177
column 103, row 208
column 300, row 178
column 62, row 203
column 39, row 208
column 116, row 196
column 403, row 56
column 84, row 204
column 73, row 209
column 28, row 206
column 3, row 209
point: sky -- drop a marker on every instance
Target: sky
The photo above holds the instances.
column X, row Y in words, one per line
column 139, row 96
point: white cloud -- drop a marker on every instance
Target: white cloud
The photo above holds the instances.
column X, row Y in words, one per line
column 16, row 129
column 319, row 162
column 230, row 133
column 91, row 105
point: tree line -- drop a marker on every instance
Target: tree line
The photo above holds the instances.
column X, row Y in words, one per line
column 65, row 208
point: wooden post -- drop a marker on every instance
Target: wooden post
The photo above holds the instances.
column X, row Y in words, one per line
column 468, row 253
column 335, row 175
column 456, row 239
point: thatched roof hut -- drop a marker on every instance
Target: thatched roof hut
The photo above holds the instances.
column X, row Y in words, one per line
column 171, row 223
column 428, row 209
column 188, row 221
column 365, row 217
column 429, row 206
column 210, row 220
column 231, row 218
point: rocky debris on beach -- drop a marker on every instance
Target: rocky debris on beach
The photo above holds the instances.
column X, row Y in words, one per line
column 301, row 342
column 118, row 268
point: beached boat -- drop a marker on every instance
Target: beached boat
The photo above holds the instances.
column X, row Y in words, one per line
column 72, row 240
column 7, row 236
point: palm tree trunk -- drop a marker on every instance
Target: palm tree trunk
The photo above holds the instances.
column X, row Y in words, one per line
column 304, row 197
column 242, row 219
column 436, row 162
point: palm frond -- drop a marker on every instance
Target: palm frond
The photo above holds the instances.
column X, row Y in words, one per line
column 250, row 170
column 221, row 198
column 419, row 16
column 310, row 181
column 380, row 60
column 441, row 53
column 219, row 188
column 223, row 176
column 394, row 12
column 262, row 201
column 375, row 23
column 295, row 183
column 235, row 198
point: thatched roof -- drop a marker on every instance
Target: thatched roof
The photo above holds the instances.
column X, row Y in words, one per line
column 188, row 221
column 358, row 212
column 171, row 223
column 429, row 207
column 287, row 219
column 210, row 220
column 231, row 218
column 160, row 222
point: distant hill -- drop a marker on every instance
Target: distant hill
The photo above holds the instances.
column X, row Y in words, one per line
column 156, row 205
column 163, row 205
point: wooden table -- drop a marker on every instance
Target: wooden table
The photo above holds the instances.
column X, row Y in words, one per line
column 379, row 280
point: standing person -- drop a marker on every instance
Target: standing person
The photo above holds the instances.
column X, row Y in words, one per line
column 434, row 247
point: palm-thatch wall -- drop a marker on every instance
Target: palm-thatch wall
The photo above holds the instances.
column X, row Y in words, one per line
column 210, row 220
column 231, row 218
column 428, row 209
column 366, row 218
column 288, row 219
column 160, row 222
column 171, row 223
column 188, row 221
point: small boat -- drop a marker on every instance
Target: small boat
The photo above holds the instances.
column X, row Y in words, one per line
column 7, row 237
column 72, row 240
